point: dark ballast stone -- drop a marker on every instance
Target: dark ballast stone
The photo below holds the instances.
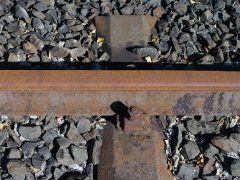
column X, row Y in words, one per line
column 30, row 132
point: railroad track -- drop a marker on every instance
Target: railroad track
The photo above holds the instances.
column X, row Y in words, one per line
column 93, row 92
column 108, row 92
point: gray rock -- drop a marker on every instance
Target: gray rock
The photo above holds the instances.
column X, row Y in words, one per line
column 218, row 4
column 209, row 166
column 2, row 51
column 208, row 59
column 40, row 6
column 223, row 27
column 62, row 142
column 8, row 18
column 58, row 173
column 211, row 127
column 235, row 168
column 190, row 150
column 188, row 171
column 11, row 144
column 73, row 134
column 48, row 174
column 34, row 58
column 1, row 11
column 50, row 135
column 90, row 135
column 163, row 46
column 220, row 56
column 3, row 136
column 3, row 40
column 37, row 161
column 63, row 156
column 209, row 40
column 30, row 3
column 37, row 23
column 17, row 169
column 146, row 51
column 30, row 132
column 237, row 22
column 84, row 12
column 176, row 45
column 59, row 52
column 29, row 176
column 77, row 52
column 174, row 32
column 225, row 144
column 39, row 44
column 45, row 59
column 211, row 151
column 28, row 148
column 70, row 9
column 13, row 58
column 63, row 29
column 77, row 28
column 184, row 37
column 14, row 153
column 2, row 149
column 84, row 125
column 193, row 126
column 48, row 2
column 38, row 14
column 72, row 43
column 50, row 122
column 20, row 12
column 13, row 27
column 180, row 8
column 207, row 16
column 104, row 57
column 44, row 152
column 29, row 48
column 80, row 154
column 236, row 10
column 52, row 162
column 235, row 136
column 211, row 177
column 127, row 10
column 52, row 16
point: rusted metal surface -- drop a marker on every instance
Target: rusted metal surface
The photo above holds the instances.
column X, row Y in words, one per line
column 93, row 92
column 127, row 155
column 122, row 31
column 138, row 121
column 67, row 80
column 99, row 102
column 132, row 156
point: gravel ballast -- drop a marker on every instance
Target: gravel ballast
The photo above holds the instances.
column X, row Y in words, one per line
column 189, row 31
column 40, row 148
column 206, row 154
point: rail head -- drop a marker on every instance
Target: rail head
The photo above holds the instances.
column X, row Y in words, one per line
column 122, row 80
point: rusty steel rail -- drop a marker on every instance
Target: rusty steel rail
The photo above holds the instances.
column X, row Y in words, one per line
column 93, row 92
column 137, row 151
column 65, row 80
